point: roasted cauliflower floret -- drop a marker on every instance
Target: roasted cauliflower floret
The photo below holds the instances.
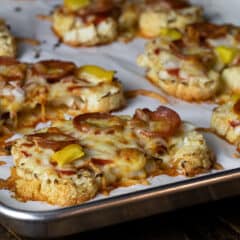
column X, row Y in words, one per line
column 37, row 180
column 190, row 154
column 226, row 122
column 7, row 41
column 231, row 77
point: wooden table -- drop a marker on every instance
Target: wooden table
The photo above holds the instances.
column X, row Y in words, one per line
column 213, row 221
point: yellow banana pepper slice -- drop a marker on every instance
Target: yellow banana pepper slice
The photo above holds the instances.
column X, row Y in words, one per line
column 235, row 97
column 75, row 5
column 226, row 54
column 68, row 154
column 171, row 33
column 96, row 72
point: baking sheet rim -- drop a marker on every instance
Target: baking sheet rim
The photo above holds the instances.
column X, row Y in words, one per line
column 62, row 213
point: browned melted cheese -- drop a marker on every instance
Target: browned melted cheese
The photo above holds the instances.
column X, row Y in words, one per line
column 146, row 93
column 9, row 183
column 2, row 163
column 29, row 41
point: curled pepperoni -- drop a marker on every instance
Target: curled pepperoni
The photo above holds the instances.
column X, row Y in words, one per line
column 163, row 122
column 99, row 7
column 8, row 61
column 174, row 72
column 81, row 123
column 200, row 31
column 53, row 70
column 178, row 46
column 235, row 123
column 101, row 162
column 51, row 140
column 67, row 172
column 204, row 60
column 11, row 69
column 168, row 4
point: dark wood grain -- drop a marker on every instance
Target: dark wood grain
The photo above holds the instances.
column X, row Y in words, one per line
column 7, row 235
column 213, row 221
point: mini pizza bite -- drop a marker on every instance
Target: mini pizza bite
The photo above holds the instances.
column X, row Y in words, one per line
column 57, row 84
column 230, row 74
column 86, row 23
column 158, row 15
column 231, row 78
column 226, row 121
column 128, row 21
column 223, row 39
column 215, row 35
column 7, row 41
column 180, row 68
column 71, row 161
column 225, row 42
column 191, row 65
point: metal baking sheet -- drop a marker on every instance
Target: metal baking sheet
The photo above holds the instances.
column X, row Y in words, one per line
column 35, row 219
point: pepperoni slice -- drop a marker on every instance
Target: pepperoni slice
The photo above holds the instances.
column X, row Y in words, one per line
column 53, row 70
column 200, row 31
column 8, row 61
column 163, row 122
column 81, row 123
column 174, row 72
column 11, row 69
column 67, row 172
column 51, row 140
column 99, row 7
column 101, row 162
column 234, row 124
column 168, row 4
